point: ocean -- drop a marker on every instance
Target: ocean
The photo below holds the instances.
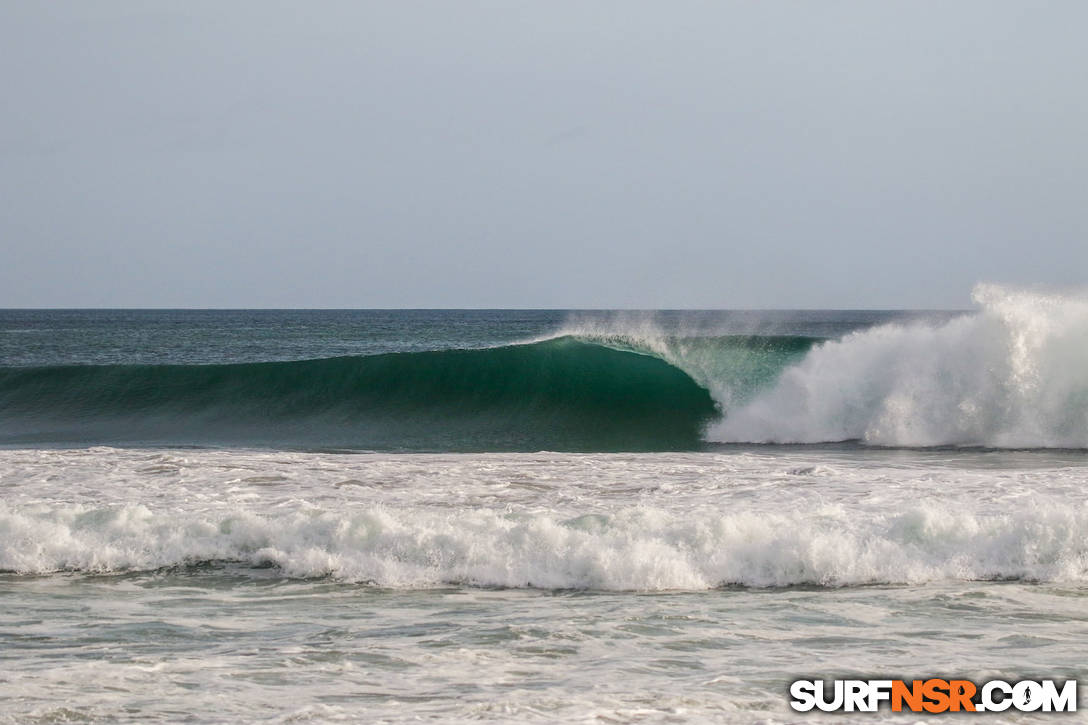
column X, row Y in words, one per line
column 529, row 515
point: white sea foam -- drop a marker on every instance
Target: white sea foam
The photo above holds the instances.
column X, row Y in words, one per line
column 636, row 548
column 251, row 639
column 1015, row 374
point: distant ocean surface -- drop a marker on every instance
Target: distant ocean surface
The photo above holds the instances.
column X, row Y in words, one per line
column 507, row 515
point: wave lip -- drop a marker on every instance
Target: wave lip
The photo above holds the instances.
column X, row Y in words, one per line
column 1013, row 375
column 562, row 394
column 631, row 549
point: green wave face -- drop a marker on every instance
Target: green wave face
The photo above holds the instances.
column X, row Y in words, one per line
column 734, row 367
column 561, row 394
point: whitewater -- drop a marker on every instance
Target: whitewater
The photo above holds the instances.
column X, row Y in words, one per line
column 545, row 516
column 288, row 586
column 648, row 522
column 1012, row 375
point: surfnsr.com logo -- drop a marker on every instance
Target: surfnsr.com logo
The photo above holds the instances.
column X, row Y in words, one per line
column 934, row 695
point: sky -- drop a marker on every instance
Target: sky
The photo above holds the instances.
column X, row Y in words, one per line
column 548, row 154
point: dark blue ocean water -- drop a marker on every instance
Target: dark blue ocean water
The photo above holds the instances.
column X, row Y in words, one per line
column 99, row 337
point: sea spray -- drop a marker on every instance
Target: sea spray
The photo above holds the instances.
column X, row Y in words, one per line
column 1014, row 374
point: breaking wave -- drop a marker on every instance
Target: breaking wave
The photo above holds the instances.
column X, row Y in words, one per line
column 632, row 549
column 1012, row 375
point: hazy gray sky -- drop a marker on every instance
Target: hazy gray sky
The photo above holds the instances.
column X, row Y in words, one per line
column 539, row 154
